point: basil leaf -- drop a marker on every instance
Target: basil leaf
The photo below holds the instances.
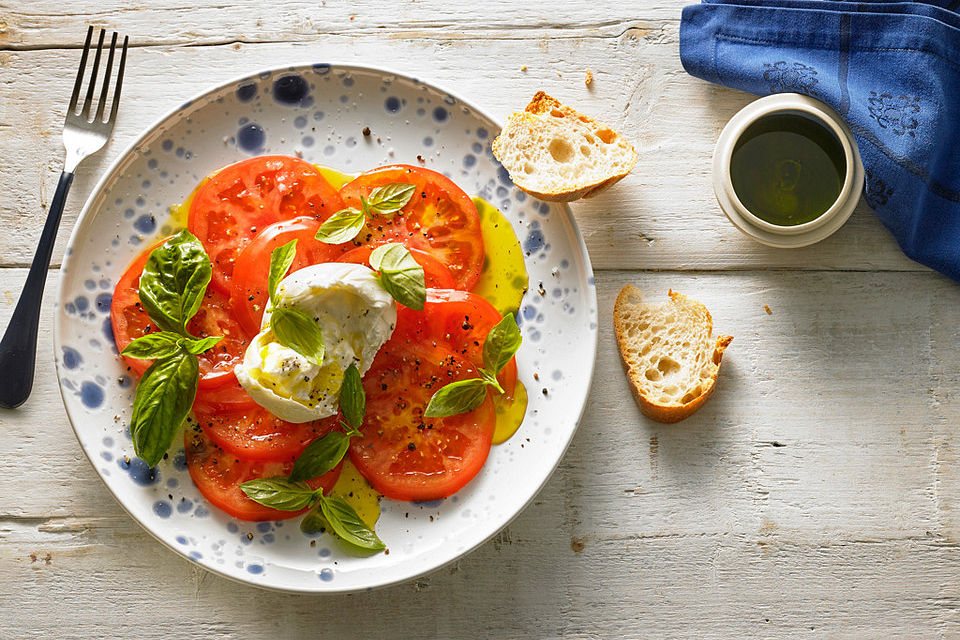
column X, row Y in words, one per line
column 320, row 456
column 388, row 199
column 347, row 524
column 342, row 226
column 153, row 346
column 400, row 274
column 457, row 397
column 164, row 397
column 280, row 260
column 353, row 399
column 294, row 329
column 491, row 380
column 174, row 281
column 313, row 522
column 279, row 493
column 196, row 346
column 501, row 343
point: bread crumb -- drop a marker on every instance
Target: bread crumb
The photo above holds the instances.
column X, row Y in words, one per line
column 559, row 75
column 767, row 309
column 588, row 78
column 523, row 68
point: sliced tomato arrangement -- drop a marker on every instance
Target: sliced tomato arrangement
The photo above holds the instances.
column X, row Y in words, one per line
column 459, row 319
column 257, row 434
column 404, row 455
column 248, row 295
column 130, row 321
column 440, row 219
column 435, row 273
column 244, row 212
column 218, row 475
column 241, row 199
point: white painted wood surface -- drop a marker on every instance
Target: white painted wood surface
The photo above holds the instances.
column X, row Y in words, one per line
column 816, row 494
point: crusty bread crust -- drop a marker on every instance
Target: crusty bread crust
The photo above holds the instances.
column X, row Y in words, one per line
column 673, row 412
column 543, row 104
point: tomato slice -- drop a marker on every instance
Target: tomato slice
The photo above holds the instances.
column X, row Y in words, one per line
column 256, row 434
column 436, row 274
column 404, row 455
column 130, row 321
column 440, row 219
column 218, row 475
column 228, row 397
column 458, row 319
column 251, row 270
column 229, row 209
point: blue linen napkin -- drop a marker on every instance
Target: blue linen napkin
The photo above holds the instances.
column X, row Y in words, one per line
column 890, row 69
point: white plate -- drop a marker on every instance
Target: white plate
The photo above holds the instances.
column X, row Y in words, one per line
column 319, row 112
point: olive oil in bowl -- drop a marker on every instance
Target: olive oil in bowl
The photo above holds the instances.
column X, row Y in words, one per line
column 787, row 169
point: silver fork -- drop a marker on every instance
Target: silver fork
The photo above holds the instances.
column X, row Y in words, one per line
column 82, row 135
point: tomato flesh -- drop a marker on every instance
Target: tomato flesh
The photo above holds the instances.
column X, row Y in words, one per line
column 404, row 455
column 130, row 321
column 435, row 273
column 251, row 271
column 256, row 434
column 232, row 206
column 440, row 219
column 218, row 476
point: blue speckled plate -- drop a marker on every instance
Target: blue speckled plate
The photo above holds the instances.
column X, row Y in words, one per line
column 318, row 112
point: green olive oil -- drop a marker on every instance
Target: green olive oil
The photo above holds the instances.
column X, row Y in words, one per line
column 787, row 169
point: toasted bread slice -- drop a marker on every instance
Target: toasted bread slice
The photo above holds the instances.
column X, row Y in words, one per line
column 668, row 353
column 555, row 153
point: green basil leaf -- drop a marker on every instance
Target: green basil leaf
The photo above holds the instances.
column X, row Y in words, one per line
column 296, row 330
column 164, row 397
column 174, row 281
column 152, row 346
column 313, row 522
column 400, row 274
column 196, row 346
column 388, row 199
column 501, row 344
column 342, row 226
column 457, row 397
column 279, row 493
column 320, row 456
column 347, row 524
column 353, row 399
column 280, row 260
column 491, row 380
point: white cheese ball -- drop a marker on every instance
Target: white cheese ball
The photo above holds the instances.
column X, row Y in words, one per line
column 355, row 315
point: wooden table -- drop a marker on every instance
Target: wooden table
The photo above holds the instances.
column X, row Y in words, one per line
column 816, row 494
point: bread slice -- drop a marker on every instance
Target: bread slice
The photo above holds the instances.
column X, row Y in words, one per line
column 555, row 153
column 668, row 352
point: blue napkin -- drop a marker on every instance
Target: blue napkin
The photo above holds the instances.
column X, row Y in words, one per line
column 890, row 69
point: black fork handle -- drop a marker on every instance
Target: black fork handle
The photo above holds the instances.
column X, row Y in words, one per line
column 18, row 349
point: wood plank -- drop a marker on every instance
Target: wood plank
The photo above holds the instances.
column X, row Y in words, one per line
column 663, row 216
column 46, row 23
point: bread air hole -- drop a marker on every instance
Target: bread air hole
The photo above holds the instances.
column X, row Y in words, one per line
column 584, row 150
column 561, row 150
column 691, row 395
column 528, row 167
column 556, row 113
column 668, row 366
column 606, row 135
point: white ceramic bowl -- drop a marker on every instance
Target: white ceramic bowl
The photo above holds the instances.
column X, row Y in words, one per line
column 785, row 236
column 319, row 111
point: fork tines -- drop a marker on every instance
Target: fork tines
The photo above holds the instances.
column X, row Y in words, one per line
column 91, row 86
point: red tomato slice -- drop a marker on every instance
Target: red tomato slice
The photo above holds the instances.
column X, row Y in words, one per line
column 404, row 455
column 458, row 319
column 436, row 274
column 440, row 219
column 227, row 398
column 241, row 199
column 218, row 475
column 252, row 267
column 214, row 318
column 256, row 434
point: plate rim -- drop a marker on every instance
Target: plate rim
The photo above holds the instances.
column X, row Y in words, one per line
column 109, row 174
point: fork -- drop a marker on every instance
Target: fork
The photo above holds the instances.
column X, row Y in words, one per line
column 83, row 135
